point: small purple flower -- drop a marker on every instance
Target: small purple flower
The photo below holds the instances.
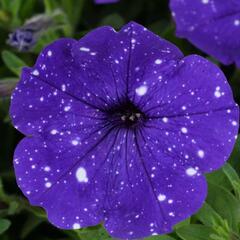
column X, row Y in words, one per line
column 22, row 39
column 211, row 25
column 120, row 128
column 105, row 1
column 26, row 37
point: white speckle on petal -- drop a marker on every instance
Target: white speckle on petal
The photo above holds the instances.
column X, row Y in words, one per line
column 184, row 130
column 142, row 90
column 48, row 184
column 63, row 87
column 84, row 49
column 171, row 214
column 161, row 197
column 81, row 175
column 74, row 142
column 49, row 53
column 54, row 132
column 67, row 108
column 201, row 153
column 234, row 123
column 158, row 61
column 76, row 226
column 237, row 22
column 47, row 169
column 205, row 1
column 165, row 119
column 217, row 92
column 35, row 72
column 184, row 108
column 133, row 40
column 191, row 171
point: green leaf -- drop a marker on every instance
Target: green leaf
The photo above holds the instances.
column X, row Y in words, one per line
column 114, row 20
column 4, row 225
column 13, row 207
column 38, row 212
column 15, row 9
column 13, row 62
column 5, row 4
column 183, row 223
column 31, row 223
column 15, row 6
column 4, row 17
column 160, row 27
column 225, row 204
column 73, row 9
column 163, row 237
column 49, row 6
column 208, row 216
column 195, row 232
column 219, row 178
column 233, row 178
column 93, row 233
column 2, row 192
column 27, row 9
column 234, row 158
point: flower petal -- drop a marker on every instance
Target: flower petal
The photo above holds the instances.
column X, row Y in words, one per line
column 195, row 114
column 149, row 197
column 211, row 25
column 122, row 57
column 70, row 177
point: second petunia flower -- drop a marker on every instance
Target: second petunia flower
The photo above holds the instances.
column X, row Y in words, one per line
column 211, row 25
column 105, row 1
column 120, row 129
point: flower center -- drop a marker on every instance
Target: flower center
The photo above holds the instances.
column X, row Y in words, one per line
column 125, row 114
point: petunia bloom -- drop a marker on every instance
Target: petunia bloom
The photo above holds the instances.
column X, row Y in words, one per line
column 120, row 128
column 105, row 1
column 25, row 37
column 22, row 39
column 211, row 25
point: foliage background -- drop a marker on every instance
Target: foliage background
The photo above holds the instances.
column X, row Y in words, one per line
column 219, row 218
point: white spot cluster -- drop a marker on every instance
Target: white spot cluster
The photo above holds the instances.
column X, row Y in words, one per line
column 161, row 197
column 217, row 92
column 81, row 175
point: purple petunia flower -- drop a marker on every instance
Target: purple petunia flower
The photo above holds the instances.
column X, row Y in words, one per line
column 25, row 37
column 211, row 25
column 120, row 128
column 105, row 1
